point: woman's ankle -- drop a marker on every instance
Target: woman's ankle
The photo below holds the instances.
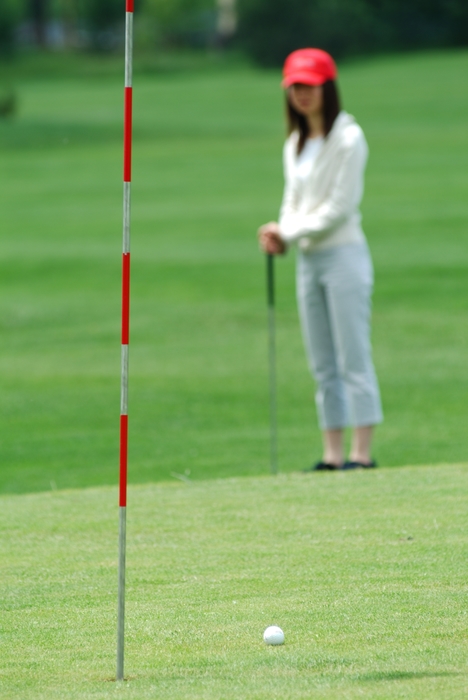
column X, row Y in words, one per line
column 362, row 458
column 335, row 459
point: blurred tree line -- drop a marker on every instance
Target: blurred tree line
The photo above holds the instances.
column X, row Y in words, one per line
column 270, row 29
column 98, row 24
column 266, row 29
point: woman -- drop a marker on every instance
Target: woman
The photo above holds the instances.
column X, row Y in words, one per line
column 324, row 161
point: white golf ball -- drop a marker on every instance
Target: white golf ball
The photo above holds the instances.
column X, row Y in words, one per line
column 273, row 635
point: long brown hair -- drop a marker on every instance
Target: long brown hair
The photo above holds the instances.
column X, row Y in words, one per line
column 331, row 109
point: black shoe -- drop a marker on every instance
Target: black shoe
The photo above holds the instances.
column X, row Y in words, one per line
column 322, row 467
column 360, row 465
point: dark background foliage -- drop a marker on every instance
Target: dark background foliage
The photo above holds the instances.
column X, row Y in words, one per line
column 10, row 13
column 267, row 29
column 270, row 29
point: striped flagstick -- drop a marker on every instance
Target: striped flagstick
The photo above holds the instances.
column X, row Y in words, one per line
column 127, row 177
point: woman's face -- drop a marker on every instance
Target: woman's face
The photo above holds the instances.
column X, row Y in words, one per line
column 306, row 99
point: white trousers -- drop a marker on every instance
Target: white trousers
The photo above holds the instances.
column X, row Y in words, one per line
column 334, row 289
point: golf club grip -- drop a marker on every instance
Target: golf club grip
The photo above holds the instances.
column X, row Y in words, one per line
column 270, row 279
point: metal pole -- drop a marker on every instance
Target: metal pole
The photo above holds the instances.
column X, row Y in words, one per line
column 272, row 363
column 127, row 178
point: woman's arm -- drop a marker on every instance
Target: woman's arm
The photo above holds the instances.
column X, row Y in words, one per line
column 269, row 235
column 289, row 201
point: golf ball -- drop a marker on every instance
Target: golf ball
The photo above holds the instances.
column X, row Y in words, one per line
column 273, row 635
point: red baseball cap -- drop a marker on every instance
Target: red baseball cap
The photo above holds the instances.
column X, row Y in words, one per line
column 309, row 67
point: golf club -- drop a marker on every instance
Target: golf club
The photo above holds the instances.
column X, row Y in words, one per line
column 272, row 361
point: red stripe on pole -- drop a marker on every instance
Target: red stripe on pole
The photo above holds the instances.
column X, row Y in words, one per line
column 129, row 6
column 125, row 298
column 123, row 460
column 128, row 135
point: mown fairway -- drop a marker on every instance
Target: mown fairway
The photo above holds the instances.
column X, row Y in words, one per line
column 365, row 572
column 207, row 172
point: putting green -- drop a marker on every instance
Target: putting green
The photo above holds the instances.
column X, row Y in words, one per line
column 365, row 573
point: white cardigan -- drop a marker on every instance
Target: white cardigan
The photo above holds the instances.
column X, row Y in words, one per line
column 324, row 211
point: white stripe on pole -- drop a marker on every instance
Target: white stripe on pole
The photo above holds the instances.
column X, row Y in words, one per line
column 128, row 45
column 127, row 177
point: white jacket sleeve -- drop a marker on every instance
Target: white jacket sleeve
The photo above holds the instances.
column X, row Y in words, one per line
column 343, row 198
column 290, row 199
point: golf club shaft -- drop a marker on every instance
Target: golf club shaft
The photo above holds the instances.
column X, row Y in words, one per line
column 272, row 362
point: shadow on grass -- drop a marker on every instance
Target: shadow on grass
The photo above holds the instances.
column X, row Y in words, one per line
column 403, row 675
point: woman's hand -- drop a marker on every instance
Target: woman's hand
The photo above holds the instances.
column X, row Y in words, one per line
column 270, row 239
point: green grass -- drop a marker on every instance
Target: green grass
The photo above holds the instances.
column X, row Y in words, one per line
column 207, row 172
column 365, row 572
